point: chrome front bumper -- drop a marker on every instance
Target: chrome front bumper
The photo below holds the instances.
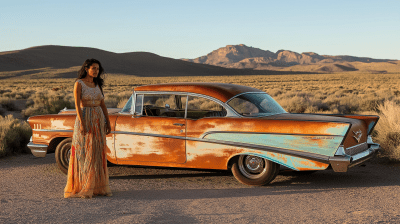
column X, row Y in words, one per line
column 340, row 163
column 37, row 150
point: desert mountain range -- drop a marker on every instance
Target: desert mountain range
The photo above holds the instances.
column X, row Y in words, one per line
column 242, row 56
column 64, row 62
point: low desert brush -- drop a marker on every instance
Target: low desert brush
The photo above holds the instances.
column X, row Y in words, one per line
column 7, row 104
column 388, row 129
column 14, row 135
column 2, row 111
column 48, row 102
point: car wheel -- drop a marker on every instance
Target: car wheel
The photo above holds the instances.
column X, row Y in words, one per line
column 63, row 152
column 253, row 170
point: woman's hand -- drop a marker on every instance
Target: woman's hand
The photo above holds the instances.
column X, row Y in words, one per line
column 108, row 128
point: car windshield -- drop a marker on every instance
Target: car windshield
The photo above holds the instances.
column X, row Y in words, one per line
column 255, row 104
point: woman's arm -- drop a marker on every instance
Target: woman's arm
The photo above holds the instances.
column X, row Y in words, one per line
column 104, row 108
column 77, row 96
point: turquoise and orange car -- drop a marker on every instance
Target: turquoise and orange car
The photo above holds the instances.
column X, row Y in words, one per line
column 216, row 126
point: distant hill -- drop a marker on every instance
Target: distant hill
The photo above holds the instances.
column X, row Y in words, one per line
column 31, row 60
column 242, row 56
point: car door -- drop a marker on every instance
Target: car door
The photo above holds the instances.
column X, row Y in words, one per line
column 157, row 131
column 206, row 116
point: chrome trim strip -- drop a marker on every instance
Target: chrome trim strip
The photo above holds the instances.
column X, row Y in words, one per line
column 267, row 133
column 186, row 107
column 134, row 103
column 52, row 130
column 357, row 145
column 147, row 134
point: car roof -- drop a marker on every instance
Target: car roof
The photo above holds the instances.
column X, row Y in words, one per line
column 220, row 91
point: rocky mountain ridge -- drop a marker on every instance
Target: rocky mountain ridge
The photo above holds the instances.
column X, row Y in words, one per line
column 241, row 56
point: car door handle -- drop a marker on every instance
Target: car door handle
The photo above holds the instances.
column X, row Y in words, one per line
column 179, row 124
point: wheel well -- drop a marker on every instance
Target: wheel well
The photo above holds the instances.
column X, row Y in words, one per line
column 235, row 159
column 232, row 161
column 53, row 144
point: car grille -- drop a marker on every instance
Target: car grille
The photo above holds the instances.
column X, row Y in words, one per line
column 356, row 149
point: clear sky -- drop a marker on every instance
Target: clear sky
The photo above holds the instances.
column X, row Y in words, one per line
column 192, row 28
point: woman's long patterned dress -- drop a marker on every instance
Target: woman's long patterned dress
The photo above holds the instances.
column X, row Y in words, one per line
column 87, row 171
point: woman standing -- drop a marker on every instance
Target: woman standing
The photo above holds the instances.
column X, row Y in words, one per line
column 87, row 171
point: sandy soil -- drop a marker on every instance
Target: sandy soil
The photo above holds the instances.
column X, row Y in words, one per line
column 31, row 191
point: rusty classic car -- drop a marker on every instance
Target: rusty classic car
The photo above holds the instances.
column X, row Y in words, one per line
column 216, row 126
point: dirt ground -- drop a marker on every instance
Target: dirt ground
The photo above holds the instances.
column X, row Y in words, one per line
column 31, row 191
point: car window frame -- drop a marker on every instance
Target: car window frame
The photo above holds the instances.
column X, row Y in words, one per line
column 227, row 103
column 156, row 93
column 230, row 111
column 208, row 98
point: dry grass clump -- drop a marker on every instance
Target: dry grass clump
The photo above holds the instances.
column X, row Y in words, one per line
column 7, row 104
column 18, row 94
column 2, row 111
column 117, row 100
column 48, row 102
column 14, row 135
column 388, row 129
column 338, row 102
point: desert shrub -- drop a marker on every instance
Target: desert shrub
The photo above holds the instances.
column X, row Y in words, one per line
column 14, row 135
column 274, row 92
column 388, row 129
column 295, row 104
column 122, row 103
column 111, row 102
column 7, row 104
column 18, row 94
column 2, row 111
column 48, row 102
column 117, row 100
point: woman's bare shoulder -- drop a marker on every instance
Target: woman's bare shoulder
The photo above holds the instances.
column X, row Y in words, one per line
column 78, row 83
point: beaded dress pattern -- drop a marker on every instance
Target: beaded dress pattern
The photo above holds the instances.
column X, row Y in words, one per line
column 87, row 171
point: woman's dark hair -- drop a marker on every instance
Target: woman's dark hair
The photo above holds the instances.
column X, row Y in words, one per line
column 86, row 65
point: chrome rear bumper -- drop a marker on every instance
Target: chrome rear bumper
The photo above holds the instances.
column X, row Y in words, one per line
column 37, row 150
column 343, row 162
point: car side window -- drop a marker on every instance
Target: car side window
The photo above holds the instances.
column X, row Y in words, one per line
column 243, row 106
column 199, row 107
column 138, row 104
column 164, row 105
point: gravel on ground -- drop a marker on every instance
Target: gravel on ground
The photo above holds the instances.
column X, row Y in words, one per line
column 31, row 191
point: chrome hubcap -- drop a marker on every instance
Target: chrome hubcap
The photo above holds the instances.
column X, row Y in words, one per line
column 254, row 164
column 252, row 167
